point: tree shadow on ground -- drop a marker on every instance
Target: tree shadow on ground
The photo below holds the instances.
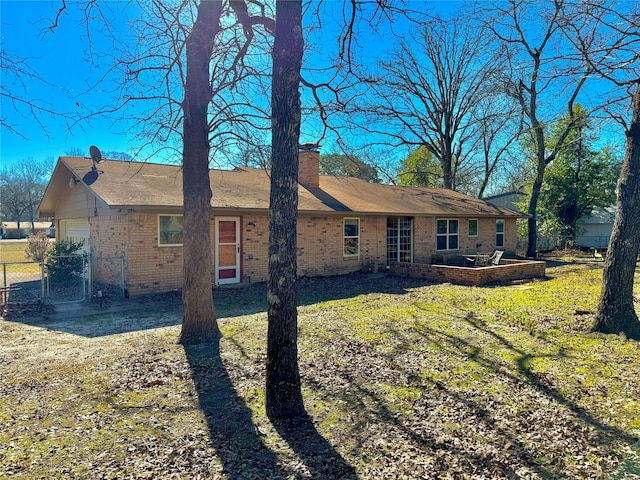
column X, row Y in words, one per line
column 233, row 434
column 373, row 413
column 525, row 373
column 319, row 457
column 495, row 434
column 524, row 360
column 239, row 442
column 90, row 319
column 248, row 299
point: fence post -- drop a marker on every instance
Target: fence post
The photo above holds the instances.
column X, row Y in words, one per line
column 90, row 274
column 42, row 280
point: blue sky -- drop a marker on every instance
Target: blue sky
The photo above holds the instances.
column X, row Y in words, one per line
column 61, row 59
column 67, row 71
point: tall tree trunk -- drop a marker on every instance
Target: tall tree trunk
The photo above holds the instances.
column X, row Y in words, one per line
column 532, row 247
column 283, row 392
column 616, row 312
column 532, row 222
column 198, row 317
column 447, row 176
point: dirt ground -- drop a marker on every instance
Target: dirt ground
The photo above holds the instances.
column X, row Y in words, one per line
column 402, row 379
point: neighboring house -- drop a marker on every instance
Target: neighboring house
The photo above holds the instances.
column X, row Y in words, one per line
column 133, row 211
column 10, row 229
column 594, row 230
column 514, row 200
column 507, row 199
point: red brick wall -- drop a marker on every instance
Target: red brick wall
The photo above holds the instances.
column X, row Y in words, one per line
column 507, row 270
column 255, row 247
column 321, row 245
column 151, row 268
column 109, row 240
column 485, row 242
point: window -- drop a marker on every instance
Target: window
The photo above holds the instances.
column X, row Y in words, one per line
column 499, row 233
column 473, row 228
column 351, row 237
column 447, row 235
column 399, row 239
column 170, row 230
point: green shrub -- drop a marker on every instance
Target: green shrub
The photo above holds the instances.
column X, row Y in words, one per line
column 64, row 262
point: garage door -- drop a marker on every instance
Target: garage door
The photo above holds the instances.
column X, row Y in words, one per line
column 75, row 230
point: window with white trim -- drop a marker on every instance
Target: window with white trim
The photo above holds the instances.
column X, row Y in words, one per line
column 499, row 233
column 473, row 227
column 447, row 234
column 170, row 230
column 399, row 239
column 351, row 237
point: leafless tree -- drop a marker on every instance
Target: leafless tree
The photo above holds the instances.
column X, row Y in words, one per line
column 22, row 187
column 198, row 319
column 608, row 35
column 185, row 83
column 498, row 129
column 430, row 93
column 219, row 68
column 542, row 77
column 14, row 94
column 283, row 392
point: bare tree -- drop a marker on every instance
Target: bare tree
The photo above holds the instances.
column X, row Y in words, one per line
column 283, row 393
column 188, row 48
column 198, row 320
column 221, row 83
column 542, row 76
column 430, row 92
column 22, row 188
column 14, row 94
column 616, row 312
column 498, row 130
column 608, row 34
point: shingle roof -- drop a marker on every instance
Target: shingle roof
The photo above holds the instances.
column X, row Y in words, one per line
column 134, row 184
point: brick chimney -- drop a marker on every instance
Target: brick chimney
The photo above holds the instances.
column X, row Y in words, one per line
column 309, row 165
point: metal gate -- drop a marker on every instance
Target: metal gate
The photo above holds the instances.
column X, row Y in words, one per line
column 63, row 279
column 66, row 278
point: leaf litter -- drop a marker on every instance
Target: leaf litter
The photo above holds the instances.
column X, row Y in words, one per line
column 399, row 382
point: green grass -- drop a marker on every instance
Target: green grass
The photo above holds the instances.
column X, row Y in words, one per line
column 400, row 378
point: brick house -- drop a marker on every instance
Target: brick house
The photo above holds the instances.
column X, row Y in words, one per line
column 133, row 211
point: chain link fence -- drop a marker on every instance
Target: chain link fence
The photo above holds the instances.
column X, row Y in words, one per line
column 35, row 288
column 22, row 289
column 66, row 278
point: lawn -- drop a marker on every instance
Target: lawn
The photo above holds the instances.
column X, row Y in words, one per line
column 12, row 253
column 401, row 379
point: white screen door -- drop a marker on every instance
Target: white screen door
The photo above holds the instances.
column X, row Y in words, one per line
column 227, row 250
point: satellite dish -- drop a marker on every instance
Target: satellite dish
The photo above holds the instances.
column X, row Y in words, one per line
column 96, row 156
column 91, row 176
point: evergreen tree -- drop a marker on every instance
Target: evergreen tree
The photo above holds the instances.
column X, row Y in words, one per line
column 580, row 178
